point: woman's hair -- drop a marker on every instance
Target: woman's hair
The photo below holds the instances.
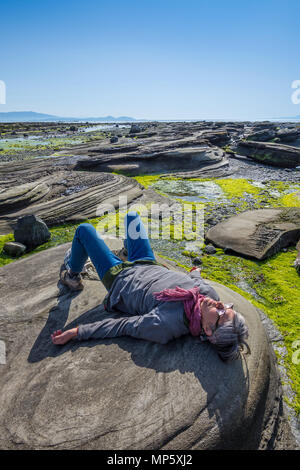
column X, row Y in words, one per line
column 229, row 339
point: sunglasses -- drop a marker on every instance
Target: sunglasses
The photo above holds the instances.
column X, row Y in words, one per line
column 221, row 312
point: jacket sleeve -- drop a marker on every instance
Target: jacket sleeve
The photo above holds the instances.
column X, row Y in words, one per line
column 204, row 287
column 149, row 327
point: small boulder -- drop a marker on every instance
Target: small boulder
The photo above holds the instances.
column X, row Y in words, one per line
column 197, row 261
column 14, row 248
column 31, row 231
column 114, row 139
column 135, row 128
column 210, row 250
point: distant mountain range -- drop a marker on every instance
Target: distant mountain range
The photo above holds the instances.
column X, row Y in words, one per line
column 30, row 116
column 289, row 117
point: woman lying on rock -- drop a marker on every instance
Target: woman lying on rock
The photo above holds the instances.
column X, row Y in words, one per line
column 161, row 304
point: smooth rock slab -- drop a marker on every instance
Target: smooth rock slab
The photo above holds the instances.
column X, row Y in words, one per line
column 158, row 160
column 259, row 233
column 76, row 205
column 22, row 195
column 123, row 393
column 280, row 155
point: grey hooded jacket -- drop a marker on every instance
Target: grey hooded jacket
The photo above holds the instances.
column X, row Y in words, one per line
column 146, row 318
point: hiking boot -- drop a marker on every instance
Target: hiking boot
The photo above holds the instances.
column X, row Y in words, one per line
column 73, row 281
column 67, row 266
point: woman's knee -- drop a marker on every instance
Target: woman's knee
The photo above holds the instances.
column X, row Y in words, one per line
column 84, row 229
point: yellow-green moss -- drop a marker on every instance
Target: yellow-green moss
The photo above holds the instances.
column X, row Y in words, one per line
column 147, row 180
column 236, row 188
column 291, row 200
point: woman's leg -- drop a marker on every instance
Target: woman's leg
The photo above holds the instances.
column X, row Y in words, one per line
column 88, row 243
column 136, row 238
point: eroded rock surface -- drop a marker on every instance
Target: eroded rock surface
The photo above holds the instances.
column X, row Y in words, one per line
column 70, row 196
column 271, row 153
column 124, row 393
column 259, row 233
column 156, row 159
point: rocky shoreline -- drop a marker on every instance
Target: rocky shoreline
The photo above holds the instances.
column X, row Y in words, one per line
column 199, row 163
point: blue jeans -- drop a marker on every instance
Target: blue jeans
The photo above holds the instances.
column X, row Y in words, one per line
column 88, row 243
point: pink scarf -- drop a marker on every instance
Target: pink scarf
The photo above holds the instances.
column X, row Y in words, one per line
column 191, row 299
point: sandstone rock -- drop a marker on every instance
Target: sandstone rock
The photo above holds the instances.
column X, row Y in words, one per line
column 219, row 138
column 259, row 233
column 14, row 248
column 271, row 153
column 58, row 194
column 22, row 195
column 120, row 393
column 288, row 135
column 190, row 160
column 261, row 135
column 31, row 231
column 263, row 125
column 135, row 128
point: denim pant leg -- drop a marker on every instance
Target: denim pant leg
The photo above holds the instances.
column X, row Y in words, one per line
column 87, row 242
column 136, row 238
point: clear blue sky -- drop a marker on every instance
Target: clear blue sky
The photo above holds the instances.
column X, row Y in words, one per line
column 156, row 59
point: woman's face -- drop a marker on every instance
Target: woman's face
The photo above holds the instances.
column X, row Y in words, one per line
column 210, row 315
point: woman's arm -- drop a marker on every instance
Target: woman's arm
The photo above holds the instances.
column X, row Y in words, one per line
column 149, row 327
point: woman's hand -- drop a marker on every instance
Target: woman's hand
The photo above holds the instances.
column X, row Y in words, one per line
column 62, row 338
column 195, row 269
